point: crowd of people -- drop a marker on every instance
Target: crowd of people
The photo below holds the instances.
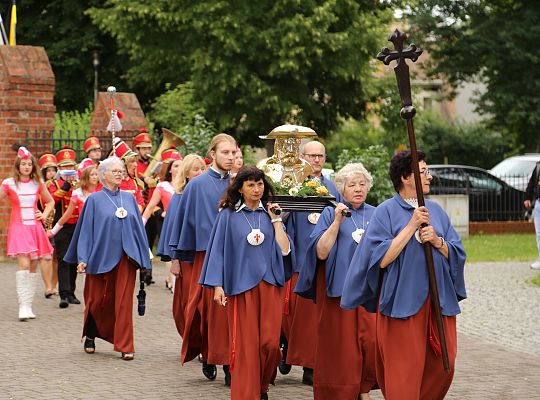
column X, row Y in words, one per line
column 342, row 293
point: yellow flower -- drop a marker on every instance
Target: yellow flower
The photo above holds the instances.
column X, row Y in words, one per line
column 322, row 190
column 311, row 184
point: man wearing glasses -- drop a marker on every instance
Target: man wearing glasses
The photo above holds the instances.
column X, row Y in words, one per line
column 298, row 326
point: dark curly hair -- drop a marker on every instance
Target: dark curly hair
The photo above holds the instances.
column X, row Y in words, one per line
column 400, row 166
column 247, row 173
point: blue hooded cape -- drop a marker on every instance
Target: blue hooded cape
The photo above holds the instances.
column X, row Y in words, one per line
column 100, row 237
column 163, row 249
column 197, row 212
column 405, row 284
column 339, row 257
column 232, row 263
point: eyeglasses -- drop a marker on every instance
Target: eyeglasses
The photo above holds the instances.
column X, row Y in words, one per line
column 425, row 172
column 315, row 156
column 116, row 171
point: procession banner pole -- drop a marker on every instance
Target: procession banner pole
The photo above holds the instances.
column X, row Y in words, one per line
column 112, row 91
column 408, row 112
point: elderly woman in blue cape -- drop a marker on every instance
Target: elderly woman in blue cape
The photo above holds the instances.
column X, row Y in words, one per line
column 247, row 260
column 345, row 350
column 109, row 245
column 388, row 276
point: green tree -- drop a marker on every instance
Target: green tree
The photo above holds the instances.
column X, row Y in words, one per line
column 254, row 65
column 492, row 41
column 70, row 38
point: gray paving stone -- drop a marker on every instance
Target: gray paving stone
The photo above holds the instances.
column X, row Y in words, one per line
column 498, row 354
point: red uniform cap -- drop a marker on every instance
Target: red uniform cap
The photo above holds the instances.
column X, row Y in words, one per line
column 143, row 139
column 170, row 155
column 122, row 150
column 91, row 143
column 47, row 160
column 66, row 156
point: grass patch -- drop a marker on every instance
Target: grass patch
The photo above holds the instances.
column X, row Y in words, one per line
column 508, row 247
column 535, row 280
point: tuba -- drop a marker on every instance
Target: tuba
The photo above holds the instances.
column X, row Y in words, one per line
column 169, row 138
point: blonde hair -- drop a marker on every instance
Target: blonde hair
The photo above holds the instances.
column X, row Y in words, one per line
column 182, row 177
column 220, row 137
column 350, row 170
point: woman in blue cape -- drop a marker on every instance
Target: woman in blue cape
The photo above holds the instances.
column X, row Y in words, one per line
column 109, row 244
column 388, row 276
column 345, row 340
column 192, row 166
column 245, row 261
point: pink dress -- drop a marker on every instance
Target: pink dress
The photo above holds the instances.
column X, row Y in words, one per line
column 166, row 190
column 26, row 235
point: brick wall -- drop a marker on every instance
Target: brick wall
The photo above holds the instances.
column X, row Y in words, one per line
column 26, row 103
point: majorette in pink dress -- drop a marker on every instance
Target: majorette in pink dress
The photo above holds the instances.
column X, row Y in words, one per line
column 26, row 236
column 166, row 190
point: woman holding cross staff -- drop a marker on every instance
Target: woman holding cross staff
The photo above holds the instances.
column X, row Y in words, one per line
column 388, row 276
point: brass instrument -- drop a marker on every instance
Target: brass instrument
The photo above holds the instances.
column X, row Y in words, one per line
column 169, row 138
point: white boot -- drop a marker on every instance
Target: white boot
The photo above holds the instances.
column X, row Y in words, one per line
column 21, row 279
column 31, row 283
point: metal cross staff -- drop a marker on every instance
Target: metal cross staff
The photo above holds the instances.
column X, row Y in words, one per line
column 408, row 112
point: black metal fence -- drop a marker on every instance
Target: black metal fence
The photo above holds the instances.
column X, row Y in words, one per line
column 41, row 141
column 491, row 198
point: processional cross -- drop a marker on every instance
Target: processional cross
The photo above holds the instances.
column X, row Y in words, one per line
column 408, row 112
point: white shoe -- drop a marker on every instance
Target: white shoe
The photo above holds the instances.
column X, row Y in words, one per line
column 535, row 265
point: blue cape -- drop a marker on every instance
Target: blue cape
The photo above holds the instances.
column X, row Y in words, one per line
column 237, row 266
column 197, row 212
column 339, row 257
column 100, row 238
column 299, row 228
column 163, row 249
column 405, row 283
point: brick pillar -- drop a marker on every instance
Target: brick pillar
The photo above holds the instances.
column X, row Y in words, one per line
column 132, row 121
column 26, row 104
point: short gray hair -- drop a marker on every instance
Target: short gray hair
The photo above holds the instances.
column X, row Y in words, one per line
column 350, row 170
column 105, row 166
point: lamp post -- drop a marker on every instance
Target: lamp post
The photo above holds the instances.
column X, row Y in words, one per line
column 95, row 63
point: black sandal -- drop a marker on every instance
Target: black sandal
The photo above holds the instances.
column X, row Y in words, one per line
column 128, row 356
column 89, row 346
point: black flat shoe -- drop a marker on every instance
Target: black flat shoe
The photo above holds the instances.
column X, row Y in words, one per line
column 63, row 303
column 128, row 356
column 89, row 346
column 307, row 378
column 209, row 370
column 227, row 375
column 73, row 300
column 283, row 367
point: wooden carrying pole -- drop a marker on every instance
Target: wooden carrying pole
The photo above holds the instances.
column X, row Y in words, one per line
column 408, row 112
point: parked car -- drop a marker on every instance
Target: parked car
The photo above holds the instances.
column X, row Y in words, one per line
column 516, row 170
column 490, row 198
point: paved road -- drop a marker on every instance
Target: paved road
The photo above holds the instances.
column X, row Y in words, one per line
column 43, row 359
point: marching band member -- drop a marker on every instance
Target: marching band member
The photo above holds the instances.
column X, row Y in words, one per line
column 206, row 324
column 49, row 268
column 244, row 265
column 130, row 183
column 172, row 160
column 109, row 245
column 92, row 149
column 67, row 273
column 26, row 237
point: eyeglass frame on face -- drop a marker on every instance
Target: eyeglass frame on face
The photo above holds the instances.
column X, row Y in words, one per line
column 315, row 156
column 116, row 171
column 426, row 172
